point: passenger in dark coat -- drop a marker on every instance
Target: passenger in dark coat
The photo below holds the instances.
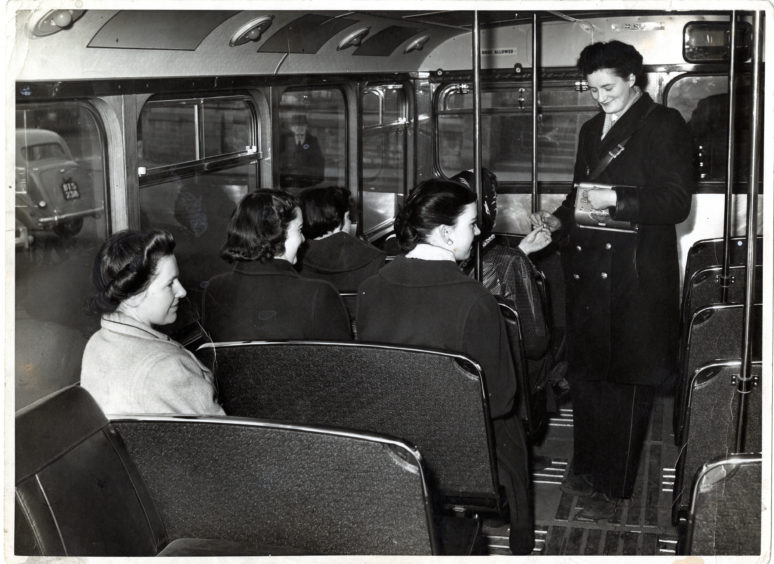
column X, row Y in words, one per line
column 331, row 253
column 622, row 287
column 424, row 299
column 302, row 163
column 264, row 297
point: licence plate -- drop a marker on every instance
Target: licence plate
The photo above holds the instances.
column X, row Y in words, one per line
column 70, row 190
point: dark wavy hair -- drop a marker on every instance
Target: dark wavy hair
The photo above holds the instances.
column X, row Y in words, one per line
column 324, row 209
column 488, row 194
column 621, row 58
column 124, row 266
column 432, row 203
column 259, row 226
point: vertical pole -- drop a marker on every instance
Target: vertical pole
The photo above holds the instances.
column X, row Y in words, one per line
column 535, row 195
column 477, row 136
column 745, row 378
column 725, row 276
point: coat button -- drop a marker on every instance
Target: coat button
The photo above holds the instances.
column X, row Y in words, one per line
column 578, row 248
column 576, row 276
column 608, row 246
column 603, row 275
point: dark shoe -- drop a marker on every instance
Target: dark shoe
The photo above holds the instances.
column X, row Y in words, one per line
column 577, row 484
column 597, row 507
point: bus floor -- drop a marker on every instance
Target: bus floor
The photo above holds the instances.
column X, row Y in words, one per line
column 641, row 525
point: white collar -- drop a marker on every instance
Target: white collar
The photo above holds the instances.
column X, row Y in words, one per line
column 425, row 251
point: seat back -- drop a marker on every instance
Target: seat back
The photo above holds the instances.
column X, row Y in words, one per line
column 711, row 421
column 77, row 492
column 704, row 288
column 725, row 511
column 532, row 377
column 434, row 400
column 714, row 334
column 709, row 252
column 317, row 491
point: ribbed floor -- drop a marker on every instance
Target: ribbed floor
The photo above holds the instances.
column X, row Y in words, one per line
column 641, row 525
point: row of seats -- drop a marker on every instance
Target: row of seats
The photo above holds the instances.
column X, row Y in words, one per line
column 716, row 497
column 210, row 486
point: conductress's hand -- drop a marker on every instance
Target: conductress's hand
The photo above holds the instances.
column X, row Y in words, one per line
column 602, row 198
column 545, row 219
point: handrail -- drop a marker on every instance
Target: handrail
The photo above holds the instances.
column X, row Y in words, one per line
column 730, row 156
column 479, row 255
column 535, row 196
column 745, row 378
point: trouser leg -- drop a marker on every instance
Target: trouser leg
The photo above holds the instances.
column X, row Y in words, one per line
column 622, row 415
column 585, row 433
column 513, row 472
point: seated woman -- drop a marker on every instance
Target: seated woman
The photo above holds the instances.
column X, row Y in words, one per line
column 331, row 253
column 423, row 299
column 128, row 366
column 263, row 297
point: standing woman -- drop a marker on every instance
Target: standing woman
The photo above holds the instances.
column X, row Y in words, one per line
column 263, row 297
column 622, row 287
column 128, row 366
column 424, row 299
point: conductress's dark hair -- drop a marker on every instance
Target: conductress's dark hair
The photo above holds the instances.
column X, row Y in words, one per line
column 124, row 266
column 259, row 226
column 621, row 58
column 432, row 203
column 323, row 209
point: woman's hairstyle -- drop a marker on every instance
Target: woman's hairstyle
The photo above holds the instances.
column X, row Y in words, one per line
column 259, row 226
column 621, row 58
column 124, row 266
column 323, row 209
column 488, row 194
column 432, row 203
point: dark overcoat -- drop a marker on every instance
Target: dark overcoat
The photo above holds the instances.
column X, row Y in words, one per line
column 272, row 301
column 623, row 288
column 341, row 259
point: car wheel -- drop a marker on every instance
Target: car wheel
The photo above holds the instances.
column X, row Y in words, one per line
column 69, row 228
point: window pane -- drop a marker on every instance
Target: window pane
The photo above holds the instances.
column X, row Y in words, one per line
column 196, row 211
column 60, row 224
column 384, row 174
column 506, row 132
column 227, row 126
column 167, row 133
column 313, row 142
column 393, row 105
column 370, row 110
column 703, row 102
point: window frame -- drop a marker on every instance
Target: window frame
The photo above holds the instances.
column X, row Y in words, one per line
column 250, row 154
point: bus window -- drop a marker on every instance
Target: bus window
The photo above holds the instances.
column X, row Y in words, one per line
column 312, row 138
column 506, row 130
column 384, row 111
column 61, row 221
column 200, row 161
column 703, row 102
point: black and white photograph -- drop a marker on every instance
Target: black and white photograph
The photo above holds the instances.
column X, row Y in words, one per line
column 375, row 281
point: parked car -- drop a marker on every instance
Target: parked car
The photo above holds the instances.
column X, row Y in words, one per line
column 53, row 192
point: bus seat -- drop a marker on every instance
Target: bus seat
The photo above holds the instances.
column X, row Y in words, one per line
column 432, row 399
column 725, row 512
column 709, row 252
column 532, row 377
column 704, row 288
column 711, row 424
column 192, row 486
column 714, row 334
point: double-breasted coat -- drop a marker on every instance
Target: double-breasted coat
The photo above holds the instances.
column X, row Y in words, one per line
column 623, row 288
